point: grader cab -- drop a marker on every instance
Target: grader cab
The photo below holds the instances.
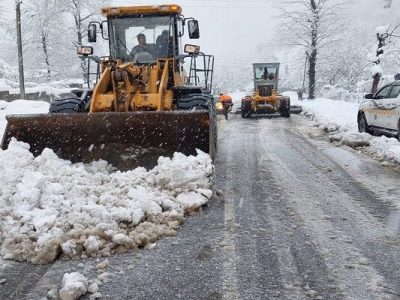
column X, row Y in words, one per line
column 265, row 99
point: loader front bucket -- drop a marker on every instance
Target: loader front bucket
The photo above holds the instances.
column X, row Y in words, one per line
column 126, row 140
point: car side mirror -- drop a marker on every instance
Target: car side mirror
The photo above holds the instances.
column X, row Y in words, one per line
column 92, row 33
column 369, row 96
column 194, row 31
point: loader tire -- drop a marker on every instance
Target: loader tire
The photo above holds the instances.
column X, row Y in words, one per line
column 67, row 105
column 284, row 109
column 363, row 125
column 285, row 113
column 246, row 109
column 195, row 102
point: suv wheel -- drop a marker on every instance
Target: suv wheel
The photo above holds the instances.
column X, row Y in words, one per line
column 362, row 124
column 398, row 131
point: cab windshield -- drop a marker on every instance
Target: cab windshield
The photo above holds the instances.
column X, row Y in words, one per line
column 265, row 72
column 142, row 39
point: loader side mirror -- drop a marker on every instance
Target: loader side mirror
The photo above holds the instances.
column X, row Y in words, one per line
column 194, row 31
column 92, row 33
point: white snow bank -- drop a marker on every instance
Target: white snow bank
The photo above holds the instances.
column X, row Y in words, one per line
column 74, row 285
column 49, row 87
column 330, row 113
column 20, row 107
column 51, row 207
column 340, row 120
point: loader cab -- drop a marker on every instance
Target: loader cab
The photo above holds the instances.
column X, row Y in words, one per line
column 161, row 26
column 149, row 36
column 143, row 39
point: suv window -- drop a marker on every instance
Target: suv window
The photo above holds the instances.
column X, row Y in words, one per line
column 395, row 91
column 384, row 92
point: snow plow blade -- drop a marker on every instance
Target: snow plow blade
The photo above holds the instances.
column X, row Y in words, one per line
column 296, row 109
column 126, row 140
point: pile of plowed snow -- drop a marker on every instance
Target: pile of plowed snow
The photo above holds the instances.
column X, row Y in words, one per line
column 50, row 207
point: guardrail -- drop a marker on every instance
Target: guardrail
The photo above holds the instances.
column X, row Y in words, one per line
column 6, row 96
column 41, row 95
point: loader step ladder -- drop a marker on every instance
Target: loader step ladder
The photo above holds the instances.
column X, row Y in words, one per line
column 201, row 69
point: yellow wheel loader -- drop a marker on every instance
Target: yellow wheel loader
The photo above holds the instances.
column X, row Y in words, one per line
column 265, row 99
column 149, row 99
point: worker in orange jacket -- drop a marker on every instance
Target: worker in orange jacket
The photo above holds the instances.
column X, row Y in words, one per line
column 226, row 104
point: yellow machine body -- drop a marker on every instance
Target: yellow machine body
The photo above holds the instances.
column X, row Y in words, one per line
column 136, row 112
column 265, row 99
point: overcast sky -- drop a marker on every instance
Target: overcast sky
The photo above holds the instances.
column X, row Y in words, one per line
column 238, row 32
column 233, row 30
column 229, row 29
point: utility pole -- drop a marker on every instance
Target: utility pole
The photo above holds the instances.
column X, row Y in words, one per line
column 20, row 56
column 304, row 75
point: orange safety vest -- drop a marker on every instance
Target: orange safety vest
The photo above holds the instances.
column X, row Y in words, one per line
column 225, row 98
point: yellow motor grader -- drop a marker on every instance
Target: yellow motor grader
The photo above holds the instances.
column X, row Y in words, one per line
column 149, row 99
column 265, row 99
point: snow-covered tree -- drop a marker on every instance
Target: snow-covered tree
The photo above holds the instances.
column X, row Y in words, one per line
column 41, row 22
column 385, row 48
column 382, row 35
column 343, row 65
column 80, row 13
column 2, row 10
column 313, row 25
column 387, row 3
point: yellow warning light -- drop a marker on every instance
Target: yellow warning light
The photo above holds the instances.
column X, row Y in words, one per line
column 172, row 8
column 175, row 7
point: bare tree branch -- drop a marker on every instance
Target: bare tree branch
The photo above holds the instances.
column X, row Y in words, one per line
column 312, row 24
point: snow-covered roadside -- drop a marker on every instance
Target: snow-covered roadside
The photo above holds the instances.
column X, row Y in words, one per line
column 20, row 107
column 51, row 88
column 339, row 119
column 51, row 207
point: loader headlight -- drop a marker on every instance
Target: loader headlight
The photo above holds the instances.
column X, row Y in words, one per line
column 85, row 50
column 192, row 49
column 219, row 106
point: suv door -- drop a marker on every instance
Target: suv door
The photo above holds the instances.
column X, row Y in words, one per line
column 376, row 115
column 391, row 105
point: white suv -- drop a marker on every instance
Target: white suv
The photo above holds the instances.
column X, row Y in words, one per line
column 380, row 113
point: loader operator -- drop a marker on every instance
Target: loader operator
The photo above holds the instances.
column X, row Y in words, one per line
column 226, row 104
column 164, row 44
column 142, row 46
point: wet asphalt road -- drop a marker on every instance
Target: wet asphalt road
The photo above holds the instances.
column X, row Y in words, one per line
column 297, row 218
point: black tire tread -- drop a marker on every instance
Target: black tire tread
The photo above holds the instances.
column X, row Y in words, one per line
column 367, row 130
column 195, row 101
column 68, row 105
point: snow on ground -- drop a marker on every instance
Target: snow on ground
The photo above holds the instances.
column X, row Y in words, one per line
column 20, row 107
column 74, row 285
column 339, row 119
column 51, row 207
column 51, row 88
